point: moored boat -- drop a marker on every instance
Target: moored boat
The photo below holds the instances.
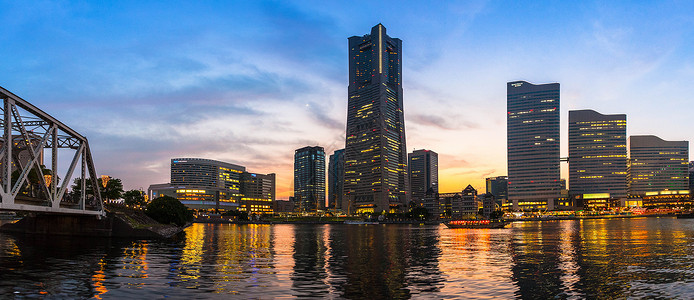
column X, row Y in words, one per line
column 483, row 224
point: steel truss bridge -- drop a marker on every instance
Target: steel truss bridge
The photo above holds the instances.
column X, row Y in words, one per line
column 29, row 136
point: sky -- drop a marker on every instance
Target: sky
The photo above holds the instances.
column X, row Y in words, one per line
column 248, row 82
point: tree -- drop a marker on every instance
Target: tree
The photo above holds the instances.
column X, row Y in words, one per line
column 134, row 197
column 32, row 187
column 76, row 188
column 419, row 213
column 497, row 214
column 168, row 210
column 239, row 215
column 113, row 189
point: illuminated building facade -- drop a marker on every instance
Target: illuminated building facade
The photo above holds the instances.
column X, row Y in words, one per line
column 667, row 199
column 446, row 203
column 597, row 154
column 656, row 165
column 257, row 193
column 336, row 179
column 309, row 178
column 470, row 203
column 533, row 145
column 205, row 184
column 375, row 153
column 691, row 177
column 424, row 173
column 498, row 186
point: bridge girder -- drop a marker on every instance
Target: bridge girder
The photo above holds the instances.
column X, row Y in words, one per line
column 27, row 185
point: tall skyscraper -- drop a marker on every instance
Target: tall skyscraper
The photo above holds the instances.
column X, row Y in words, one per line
column 498, row 186
column 533, row 145
column 597, row 153
column 309, row 178
column 376, row 157
column 424, row 173
column 336, row 179
column 656, row 165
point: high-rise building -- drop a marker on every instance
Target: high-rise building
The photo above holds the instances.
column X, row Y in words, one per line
column 656, row 165
column 691, row 177
column 375, row 154
column 597, row 153
column 424, row 173
column 206, row 172
column 207, row 184
column 258, row 192
column 336, row 179
column 309, row 178
column 533, row 145
column 498, row 186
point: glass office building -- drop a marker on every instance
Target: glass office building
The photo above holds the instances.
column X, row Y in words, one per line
column 375, row 153
column 597, row 153
column 533, row 145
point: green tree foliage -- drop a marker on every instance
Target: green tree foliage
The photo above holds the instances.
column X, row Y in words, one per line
column 168, row 210
column 113, row 190
column 240, row 215
column 419, row 213
column 134, row 197
column 497, row 214
column 33, row 185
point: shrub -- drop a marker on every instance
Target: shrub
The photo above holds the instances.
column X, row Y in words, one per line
column 168, row 210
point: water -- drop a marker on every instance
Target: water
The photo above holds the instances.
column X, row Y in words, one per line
column 625, row 258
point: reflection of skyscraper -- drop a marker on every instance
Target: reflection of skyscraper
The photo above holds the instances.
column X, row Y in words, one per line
column 656, row 165
column 533, row 144
column 423, row 167
column 375, row 153
column 597, row 153
column 336, row 179
column 309, row 279
column 309, row 178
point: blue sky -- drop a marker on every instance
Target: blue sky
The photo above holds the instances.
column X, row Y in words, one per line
column 248, row 82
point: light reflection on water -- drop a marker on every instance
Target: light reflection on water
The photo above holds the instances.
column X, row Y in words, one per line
column 625, row 258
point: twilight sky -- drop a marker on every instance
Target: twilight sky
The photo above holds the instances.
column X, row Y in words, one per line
column 248, row 82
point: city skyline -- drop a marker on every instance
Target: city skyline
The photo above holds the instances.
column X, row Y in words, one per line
column 144, row 89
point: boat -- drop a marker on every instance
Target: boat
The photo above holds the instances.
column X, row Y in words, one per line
column 481, row 224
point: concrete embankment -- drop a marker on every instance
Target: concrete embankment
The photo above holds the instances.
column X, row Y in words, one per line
column 115, row 224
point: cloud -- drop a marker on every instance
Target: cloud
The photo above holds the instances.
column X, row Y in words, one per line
column 450, row 123
column 323, row 116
